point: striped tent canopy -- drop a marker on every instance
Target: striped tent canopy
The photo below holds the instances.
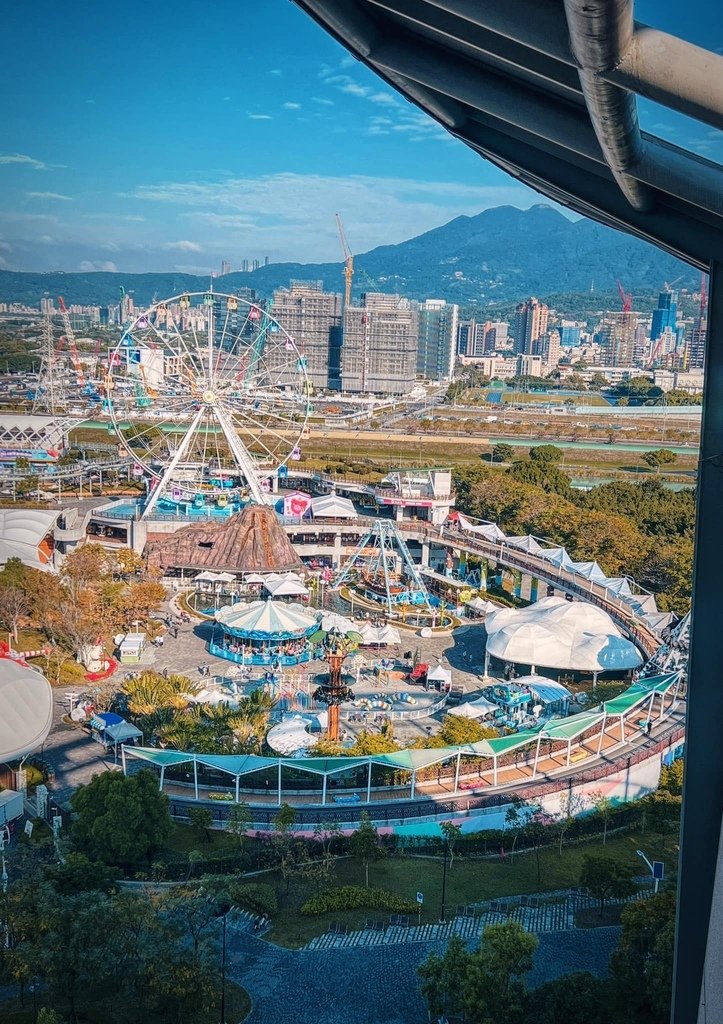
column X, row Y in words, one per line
column 263, row 620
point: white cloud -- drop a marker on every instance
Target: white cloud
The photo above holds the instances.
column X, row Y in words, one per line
column 91, row 266
column 384, row 99
column 183, row 246
column 49, row 195
column 260, row 117
column 279, row 213
column 90, row 102
column 291, row 106
column 322, row 101
column 23, row 158
column 276, row 71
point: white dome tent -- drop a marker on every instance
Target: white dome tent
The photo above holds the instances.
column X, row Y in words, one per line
column 26, row 709
column 559, row 634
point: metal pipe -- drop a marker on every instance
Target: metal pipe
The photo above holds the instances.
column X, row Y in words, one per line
column 600, row 31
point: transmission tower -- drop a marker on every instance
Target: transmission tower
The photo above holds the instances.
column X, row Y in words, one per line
column 44, row 399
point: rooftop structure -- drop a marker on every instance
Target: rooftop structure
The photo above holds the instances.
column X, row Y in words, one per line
column 26, row 709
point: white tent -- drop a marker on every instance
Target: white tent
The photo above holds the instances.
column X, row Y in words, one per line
column 22, row 531
column 379, row 635
column 558, row 557
column 440, row 674
column 254, row 577
column 527, row 543
column 618, row 585
column 207, row 577
column 659, row 620
column 225, row 577
column 26, row 709
column 332, row 506
column 333, row 620
column 589, row 571
column 489, row 531
column 288, row 586
column 482, row 607
column 479, row 708
column 642, row 604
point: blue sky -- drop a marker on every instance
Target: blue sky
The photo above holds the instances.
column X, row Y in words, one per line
column 158, row 136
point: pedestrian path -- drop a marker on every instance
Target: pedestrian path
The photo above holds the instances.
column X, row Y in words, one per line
column 555, row 912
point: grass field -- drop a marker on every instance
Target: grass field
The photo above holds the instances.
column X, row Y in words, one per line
column 469, row 881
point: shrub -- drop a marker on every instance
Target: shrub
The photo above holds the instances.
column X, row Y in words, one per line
column 220, row 796
column 356, row 897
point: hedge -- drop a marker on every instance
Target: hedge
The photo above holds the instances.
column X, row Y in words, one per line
column 355, row 897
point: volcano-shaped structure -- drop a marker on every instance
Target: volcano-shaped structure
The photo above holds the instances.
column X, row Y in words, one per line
column 250, row 541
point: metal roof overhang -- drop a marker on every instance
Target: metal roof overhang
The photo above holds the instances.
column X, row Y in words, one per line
column 546, row 91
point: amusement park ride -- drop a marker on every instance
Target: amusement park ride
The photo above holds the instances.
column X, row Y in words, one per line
column 205, row 393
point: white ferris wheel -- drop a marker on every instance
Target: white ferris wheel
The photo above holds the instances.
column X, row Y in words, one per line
column 209, row 396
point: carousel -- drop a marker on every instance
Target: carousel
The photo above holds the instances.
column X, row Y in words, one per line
column 264, row 633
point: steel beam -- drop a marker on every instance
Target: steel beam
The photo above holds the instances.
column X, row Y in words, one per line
column 600, row 32
column 703, row 788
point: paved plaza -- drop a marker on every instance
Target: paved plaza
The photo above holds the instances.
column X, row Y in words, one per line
column 378, row 985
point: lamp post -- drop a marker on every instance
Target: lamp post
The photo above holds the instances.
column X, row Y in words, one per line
column 656, row 880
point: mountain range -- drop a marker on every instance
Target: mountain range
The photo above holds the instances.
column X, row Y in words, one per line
column 503, row 254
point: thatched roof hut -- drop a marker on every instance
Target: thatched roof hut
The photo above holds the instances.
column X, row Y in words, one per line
column 250, row 541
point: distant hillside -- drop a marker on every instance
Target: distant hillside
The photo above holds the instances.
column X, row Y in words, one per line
column 500, row 255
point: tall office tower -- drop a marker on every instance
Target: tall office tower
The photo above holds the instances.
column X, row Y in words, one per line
column 313, row 318
column 471, row 337
column 266, row 261
column 497, row 336
column 530, row 323
column 379, row 348
column 617, row 338
column 225, row 267
column 548, row 347
column 255, row 265
column 666, row 315
column 570, row 334
column 245, row 266
column 438, row 323
column 47, row 305
column 696, row 343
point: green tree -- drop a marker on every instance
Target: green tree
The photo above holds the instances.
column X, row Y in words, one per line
column 364, row 844
column 545, row 453
column 451, row 834
column 120, row 819
column 494, row 988
column 641, row 967
column 603, row 807
column 598, row 382
column 443, row 980
column 240, row 819
column 606, row 878
column 660, row 457
column 671, row 777
column 502, row 452
column 201, row 819
column 456, row 731
column 578, row 998
column 78, row 873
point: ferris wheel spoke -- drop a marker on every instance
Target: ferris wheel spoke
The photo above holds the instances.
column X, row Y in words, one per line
column 246, row 419
column 284, row 420
column 256, row 439
column 166, row 341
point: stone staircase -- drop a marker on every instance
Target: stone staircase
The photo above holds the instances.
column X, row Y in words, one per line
column 553, row 912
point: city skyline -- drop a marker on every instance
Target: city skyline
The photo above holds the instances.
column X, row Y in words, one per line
column 130, row 162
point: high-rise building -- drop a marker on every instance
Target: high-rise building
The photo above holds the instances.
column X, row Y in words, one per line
column 313, row 318
column 255, row 265
column 379, row 350
column 438, row 323
column 617, row 338
column 266, row 261
column 225, row 267
column 47, row 305
column 245, row 266
column 696, row 343
column 548, row 348
column 530, row 323
column 666, row 315
column 570, row 334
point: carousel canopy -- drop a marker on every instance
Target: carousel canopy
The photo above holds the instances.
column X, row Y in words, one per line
column 264, row 620
column 332, row 506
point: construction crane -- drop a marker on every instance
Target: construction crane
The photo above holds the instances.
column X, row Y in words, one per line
column 70, row 341
column 348, row 261
column 625, row 297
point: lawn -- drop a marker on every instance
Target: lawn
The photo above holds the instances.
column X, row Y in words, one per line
column 469, row 881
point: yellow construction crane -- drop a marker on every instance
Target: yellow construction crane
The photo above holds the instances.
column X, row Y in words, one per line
column 348, row 260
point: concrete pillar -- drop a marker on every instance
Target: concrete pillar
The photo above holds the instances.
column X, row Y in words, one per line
column 425, row 554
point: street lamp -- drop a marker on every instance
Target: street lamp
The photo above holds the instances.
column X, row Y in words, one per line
column 656, row 879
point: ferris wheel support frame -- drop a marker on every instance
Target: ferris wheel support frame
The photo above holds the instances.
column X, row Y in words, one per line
column 170, row 468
